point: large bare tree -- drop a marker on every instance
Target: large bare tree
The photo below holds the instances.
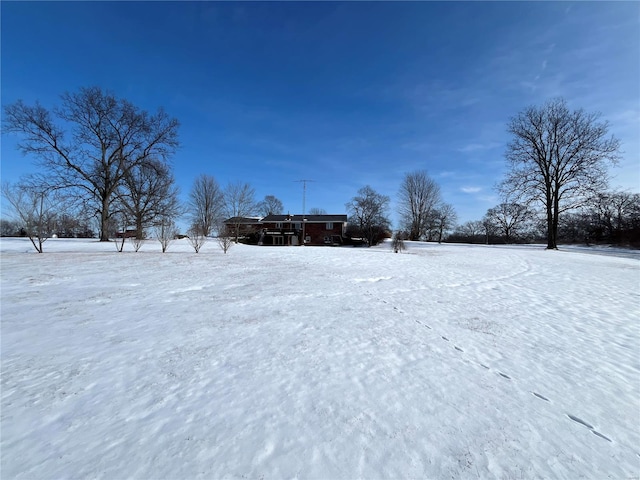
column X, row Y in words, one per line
column 91, row 142
column 558, row 158
column 368, row 212
column 206, row 204
column 418, row 197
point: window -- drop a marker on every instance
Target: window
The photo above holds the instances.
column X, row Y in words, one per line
column 279, row 225
column 329, row 225
column 297, row 226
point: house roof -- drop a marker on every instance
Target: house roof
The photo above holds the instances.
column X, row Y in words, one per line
column 308, row 218
column 243, row 220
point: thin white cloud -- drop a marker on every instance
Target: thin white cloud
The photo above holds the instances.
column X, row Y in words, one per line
column 475, row 147
column 471, row 189
column 447, row 174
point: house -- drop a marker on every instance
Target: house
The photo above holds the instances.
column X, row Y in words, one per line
column 290, row 229
column 127, row 233
column 242, row 226
column 310, row 229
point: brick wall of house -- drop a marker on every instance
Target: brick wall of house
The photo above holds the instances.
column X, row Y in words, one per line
column 318, row 232
column 287, row 229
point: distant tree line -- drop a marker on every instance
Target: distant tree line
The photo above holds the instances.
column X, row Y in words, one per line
column 106, row 172
column 606, row 218
column 62, row 226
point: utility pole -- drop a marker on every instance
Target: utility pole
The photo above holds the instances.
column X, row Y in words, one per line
column 304, row 199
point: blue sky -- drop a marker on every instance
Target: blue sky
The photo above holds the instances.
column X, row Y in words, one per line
column 345, row 94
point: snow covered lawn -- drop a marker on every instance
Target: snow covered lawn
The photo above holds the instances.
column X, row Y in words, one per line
column 448, row 361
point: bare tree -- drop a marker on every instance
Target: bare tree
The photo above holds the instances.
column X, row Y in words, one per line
column 9, row 228
column 270, row 206
column 509, row 219
column 368, row 210
column 225, row 241
column 317, row 211
column 137, row 242
column 93, row 142
column 445, row 219
column 615, row 212
column 149, row 193
column 468, row 232
column 239, row 202
column 206, row 204
column 558, row 158
column 34, row 208
column 418, row 197
column 487, row 227
column 165, row 232
column 120, row 221
column 611, row 217
column 73, row 224
column 196, row 237
column 397, row 241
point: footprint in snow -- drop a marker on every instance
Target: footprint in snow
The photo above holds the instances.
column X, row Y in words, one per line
column 601, row 435
column 590, row 427
column 459, row 349
column 580, row 421
column 540, row 396
column 445, row 338
column 505, row 376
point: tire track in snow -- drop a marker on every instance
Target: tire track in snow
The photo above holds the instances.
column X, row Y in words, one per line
column 526, row 269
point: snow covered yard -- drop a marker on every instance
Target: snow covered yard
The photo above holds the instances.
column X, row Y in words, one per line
column 448, row 361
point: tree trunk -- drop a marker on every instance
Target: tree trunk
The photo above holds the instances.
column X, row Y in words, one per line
column 139, row 228
column 554, row 222
column 414, row 234
column 552, row 228
column 551, row 244
column 104, row 221
column 551, row 234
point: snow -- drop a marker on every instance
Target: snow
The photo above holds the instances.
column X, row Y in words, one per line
column 447, row 361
